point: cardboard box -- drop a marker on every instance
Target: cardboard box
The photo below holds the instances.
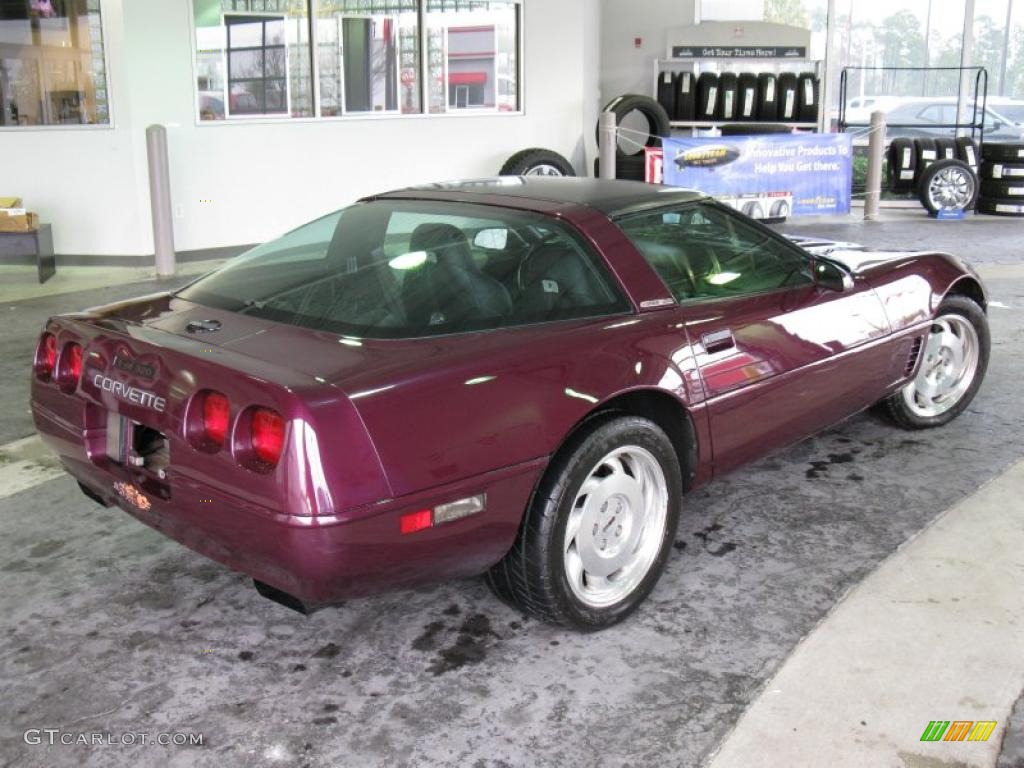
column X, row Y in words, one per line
column 18, row 220
column 10, row 202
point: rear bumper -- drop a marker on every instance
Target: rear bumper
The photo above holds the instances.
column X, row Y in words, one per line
column 318, row 560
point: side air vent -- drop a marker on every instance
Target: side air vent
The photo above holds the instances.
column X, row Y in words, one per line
column 915, row 352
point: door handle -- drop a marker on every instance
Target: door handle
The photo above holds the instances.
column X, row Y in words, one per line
column 717, row 341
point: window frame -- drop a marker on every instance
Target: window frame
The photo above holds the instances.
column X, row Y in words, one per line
column 728, row 212
column 111, row 124
column 313, row 7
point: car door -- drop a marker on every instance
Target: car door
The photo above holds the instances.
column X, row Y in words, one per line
column 780, row 353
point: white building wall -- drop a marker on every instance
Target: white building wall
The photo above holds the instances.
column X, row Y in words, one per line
column 237, row 183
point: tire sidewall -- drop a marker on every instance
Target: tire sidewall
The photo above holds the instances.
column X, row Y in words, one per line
column 568, row 477
column 973, row 313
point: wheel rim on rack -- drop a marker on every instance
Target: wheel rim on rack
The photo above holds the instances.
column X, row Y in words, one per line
column 951, row 355
column 615, row 527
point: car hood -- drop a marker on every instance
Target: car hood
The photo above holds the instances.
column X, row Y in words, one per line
column 856, row 258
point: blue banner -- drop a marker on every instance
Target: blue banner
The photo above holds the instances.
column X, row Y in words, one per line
column 767, row 176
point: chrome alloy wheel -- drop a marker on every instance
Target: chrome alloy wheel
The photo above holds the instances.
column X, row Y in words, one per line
column 951, row 354
column 543, row 169
column 951, row 188
column 615, row 526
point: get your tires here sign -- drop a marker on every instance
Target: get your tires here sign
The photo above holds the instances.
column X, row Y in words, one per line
column 812, row 172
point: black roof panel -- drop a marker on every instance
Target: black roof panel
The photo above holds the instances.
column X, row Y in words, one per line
column 608, row 196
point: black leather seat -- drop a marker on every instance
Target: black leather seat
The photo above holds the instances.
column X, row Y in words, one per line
column 449, row 288
column 555, row 277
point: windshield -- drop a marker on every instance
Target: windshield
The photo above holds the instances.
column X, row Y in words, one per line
column 1013, row 112
column 401, row 269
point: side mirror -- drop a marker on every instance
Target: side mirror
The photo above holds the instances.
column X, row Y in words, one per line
column 830, row 275
column 997, row 125
column 494, row 239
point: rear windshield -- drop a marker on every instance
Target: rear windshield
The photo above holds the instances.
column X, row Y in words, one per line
column 401, row 269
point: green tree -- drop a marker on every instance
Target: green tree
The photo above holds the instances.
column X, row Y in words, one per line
column 792, row 12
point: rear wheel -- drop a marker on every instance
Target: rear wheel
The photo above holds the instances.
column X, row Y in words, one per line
column 600, row 527
column 954, row 357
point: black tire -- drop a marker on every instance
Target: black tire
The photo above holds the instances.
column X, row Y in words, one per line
column 779, row 211
column 808, row 88
column 528, row 162
column 658, row 125
column 946, row 149
column 753, row 209
column 532, row 575
column 728, row 96
column 630, row 168
column 1003, row 171
column 767, row 97
column 747, row 95
column 994, row 206
column 933, row 170
column 1012, row 190
column 789, row 103
column 667, row 91
column 1002, row 152
column 686, row 96
column 897, row 407
column 967, row 150
column 707, row 96
column 902, row 165
column 755, row 129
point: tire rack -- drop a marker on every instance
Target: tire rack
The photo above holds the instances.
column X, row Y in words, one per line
column 699, row 65
column 977, row 124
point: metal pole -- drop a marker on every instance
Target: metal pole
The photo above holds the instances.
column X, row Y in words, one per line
column 607, row 140
column 1006, row 48
column 160, row 199
column 828, row 77
column 966, row 60
column 876, row 147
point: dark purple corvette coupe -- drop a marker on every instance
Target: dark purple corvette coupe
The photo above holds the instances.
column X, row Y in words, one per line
column 519, row 377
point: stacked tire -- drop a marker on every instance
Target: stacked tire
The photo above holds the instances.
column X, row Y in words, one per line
column 1002, row 179
column 908, row 159
column 744, row 97
column 631, row 164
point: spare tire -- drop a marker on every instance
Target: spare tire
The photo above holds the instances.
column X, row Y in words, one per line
column 1000, row 207
column 686, row 96
column 728, row 96
column 946, row 149
column 1012, row 190
column 789, row 106
column 809, row 90
column 947, row 185
column 658, row 125
column 767, row 97
column 1001, row 170
column 1003, row 152
column 967, row 150
column 667, row 91
column 707, row 96
column 746, row 109
column 754, row 129
column 537, row 161
column 902, row 165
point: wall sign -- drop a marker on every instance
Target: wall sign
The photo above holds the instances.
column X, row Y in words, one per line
column 738, row 52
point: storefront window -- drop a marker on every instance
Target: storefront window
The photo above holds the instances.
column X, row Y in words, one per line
column 252, row 58
column 368, row 54
column 52, row 70
column 472, row 49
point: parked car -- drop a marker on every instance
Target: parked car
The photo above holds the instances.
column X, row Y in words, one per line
column 922, row 118
column 521, row 377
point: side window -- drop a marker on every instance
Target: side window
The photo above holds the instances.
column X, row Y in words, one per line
column 703, row 251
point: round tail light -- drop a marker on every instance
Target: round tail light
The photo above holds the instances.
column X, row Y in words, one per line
column 267, row 436
column 69, row 371
column 46, row 356
column 216, row 416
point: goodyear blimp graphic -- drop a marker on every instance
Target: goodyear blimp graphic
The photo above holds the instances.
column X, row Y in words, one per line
column 707, row 157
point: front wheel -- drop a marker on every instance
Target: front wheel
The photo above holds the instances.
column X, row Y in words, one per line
column 599, row 529
column 954, row 357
